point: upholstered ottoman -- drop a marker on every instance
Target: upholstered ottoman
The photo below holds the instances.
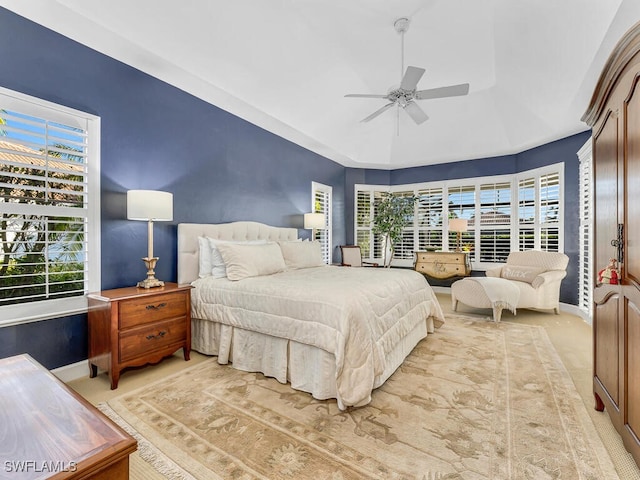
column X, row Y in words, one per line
column 486, row 292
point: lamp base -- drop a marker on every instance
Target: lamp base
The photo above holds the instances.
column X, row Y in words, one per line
column 151, row 281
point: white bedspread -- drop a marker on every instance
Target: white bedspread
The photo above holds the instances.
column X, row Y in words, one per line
column 357, row 314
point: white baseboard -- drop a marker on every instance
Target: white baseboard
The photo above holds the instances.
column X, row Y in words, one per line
column 73, row 371
column 577, row 311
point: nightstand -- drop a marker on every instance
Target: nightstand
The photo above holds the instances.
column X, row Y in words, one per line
column 438, row 266
column 135, row 326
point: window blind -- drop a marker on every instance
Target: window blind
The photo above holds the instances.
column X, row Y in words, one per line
column 321, row 198
column 585, row 287
column 44, row 188
column 504, row 213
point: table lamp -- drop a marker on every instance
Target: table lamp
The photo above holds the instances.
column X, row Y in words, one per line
column 458, row 225
column 313, row 221
column 150, row 206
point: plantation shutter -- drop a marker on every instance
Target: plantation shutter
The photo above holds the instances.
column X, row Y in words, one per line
column 403, row 250
column 430, row 218
column 364, row 217
column 585, row 287
column 550, row 212
column 322, row 204
column 462, row 204
column 44, row 203
column 527, row 214
column 495, row 222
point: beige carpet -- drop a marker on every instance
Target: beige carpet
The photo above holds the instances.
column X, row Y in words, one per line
column 476, row 400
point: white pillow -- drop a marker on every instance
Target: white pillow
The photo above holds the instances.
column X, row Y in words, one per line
column 209, row 260
column 218, row 267
column 204, row 257
column 521, row 273
column 244, row 261
column 302, row 254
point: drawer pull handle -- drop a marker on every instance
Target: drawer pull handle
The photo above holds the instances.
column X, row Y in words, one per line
column 156, row 307
column 160, row 334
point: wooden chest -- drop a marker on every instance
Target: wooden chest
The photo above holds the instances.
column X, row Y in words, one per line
column 48, row 430
column 135, row 326
column 442, row 265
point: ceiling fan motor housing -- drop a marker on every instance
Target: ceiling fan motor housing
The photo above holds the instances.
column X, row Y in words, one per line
column 401, row 96
column 401, row 24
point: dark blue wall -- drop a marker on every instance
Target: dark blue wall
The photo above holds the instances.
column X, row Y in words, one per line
column 154, row 136
column 560, row 151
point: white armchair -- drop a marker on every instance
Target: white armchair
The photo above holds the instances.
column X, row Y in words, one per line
column 537, row 275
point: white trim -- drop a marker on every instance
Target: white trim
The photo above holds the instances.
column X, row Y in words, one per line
column 47, row 309
column 44, row 310
column 73, row 371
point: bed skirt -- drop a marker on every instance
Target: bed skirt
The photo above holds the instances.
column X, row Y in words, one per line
column 306, row 368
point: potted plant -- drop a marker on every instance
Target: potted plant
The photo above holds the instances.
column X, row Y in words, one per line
column 391, row 215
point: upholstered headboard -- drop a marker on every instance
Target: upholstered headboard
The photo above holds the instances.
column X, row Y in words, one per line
column 188, row 234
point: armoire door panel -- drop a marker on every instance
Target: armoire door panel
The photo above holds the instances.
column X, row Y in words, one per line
column 606, row 190
column 632, row 183
column 607, row 350
column 632, row 373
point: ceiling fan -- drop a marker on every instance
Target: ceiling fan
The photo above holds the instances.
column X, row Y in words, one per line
column 406, row 94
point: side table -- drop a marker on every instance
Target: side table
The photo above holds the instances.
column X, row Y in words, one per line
column 135, row 326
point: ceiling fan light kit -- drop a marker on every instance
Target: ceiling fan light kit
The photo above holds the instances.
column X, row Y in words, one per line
column 405, row 95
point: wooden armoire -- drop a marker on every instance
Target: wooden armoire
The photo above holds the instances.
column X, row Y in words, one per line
column 614, row 115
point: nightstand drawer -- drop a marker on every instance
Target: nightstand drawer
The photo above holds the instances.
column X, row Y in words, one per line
column 139, row 311
column 140, row 341
column 442, row 257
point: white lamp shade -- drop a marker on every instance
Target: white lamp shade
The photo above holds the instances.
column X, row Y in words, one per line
column 149, row 205
column 314, row 220
column 458, row 224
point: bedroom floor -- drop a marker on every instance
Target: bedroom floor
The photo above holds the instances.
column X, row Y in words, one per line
column 570, row 335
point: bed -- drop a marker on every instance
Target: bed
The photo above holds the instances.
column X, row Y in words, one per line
column 334, row 332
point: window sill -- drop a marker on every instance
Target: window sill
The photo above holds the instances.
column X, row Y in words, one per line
column 45, row 310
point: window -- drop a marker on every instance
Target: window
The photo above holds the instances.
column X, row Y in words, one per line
column 49, row 219
column 429, row 219
column 504, row 213
column 495, row 222
column 539, row 212
column 321, row 203
column 585, row 295
column 461, row 204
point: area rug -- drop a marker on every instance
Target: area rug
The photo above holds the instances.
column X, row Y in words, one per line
column 475, row 400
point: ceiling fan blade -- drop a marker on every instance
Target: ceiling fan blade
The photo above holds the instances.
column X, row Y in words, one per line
column 416, row 113
column 450, row 91
column 378, row 112
column 411, row 78
column 365, row 95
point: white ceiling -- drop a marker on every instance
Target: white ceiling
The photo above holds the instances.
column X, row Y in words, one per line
column 286, row 65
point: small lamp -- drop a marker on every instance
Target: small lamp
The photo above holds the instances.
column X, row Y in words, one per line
column 458, row 225
column 150, row 206
column 313, row 221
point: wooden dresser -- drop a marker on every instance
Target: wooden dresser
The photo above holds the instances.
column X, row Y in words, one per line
column 48, row 430
column 614, row 115
column 135, row 326
column 443, row 265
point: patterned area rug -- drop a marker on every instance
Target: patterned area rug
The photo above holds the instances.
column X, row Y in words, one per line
column 475, row 400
